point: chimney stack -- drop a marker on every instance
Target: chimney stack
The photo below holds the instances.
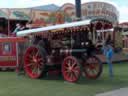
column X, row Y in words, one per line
column 78, row 9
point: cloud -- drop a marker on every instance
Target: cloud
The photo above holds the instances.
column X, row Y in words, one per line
column 29, row 3
column 123, row 13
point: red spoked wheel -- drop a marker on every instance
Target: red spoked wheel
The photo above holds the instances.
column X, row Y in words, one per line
column 92, row 67
column 33, row 62
column 71, row 69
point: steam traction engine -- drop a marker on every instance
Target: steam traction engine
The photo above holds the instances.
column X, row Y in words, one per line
column 67, row 48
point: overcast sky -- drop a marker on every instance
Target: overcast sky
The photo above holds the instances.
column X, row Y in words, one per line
column 122, row 5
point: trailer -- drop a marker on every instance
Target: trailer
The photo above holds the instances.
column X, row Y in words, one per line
column 9, row 51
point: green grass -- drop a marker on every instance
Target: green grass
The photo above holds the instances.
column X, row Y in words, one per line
column 13, row 85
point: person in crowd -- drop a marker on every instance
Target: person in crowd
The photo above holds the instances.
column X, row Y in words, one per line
column 18, row 27
column 23, row 27
column 28, row 25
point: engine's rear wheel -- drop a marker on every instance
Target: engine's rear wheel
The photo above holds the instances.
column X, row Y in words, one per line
column 92, row 67
column 34, row 62
column 71, row 69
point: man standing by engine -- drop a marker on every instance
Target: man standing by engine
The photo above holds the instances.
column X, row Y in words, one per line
column 108, row 52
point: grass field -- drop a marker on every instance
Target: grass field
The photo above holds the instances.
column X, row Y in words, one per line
column 13, row 85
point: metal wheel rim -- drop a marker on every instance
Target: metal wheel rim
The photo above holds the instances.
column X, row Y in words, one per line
column 91, row 68
column 71, row 69
column 34, row 62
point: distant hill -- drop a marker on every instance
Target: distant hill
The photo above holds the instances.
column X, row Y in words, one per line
column 50, row 7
